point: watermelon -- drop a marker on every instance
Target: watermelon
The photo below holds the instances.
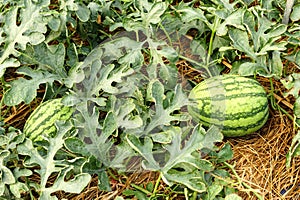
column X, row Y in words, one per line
column 42, row 119
column 237, row 105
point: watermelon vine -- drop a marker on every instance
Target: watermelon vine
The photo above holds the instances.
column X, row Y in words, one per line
column 112, row 97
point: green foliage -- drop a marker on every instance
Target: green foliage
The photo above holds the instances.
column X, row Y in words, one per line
column 27, row 87
column 10, row 186
column 31, row 30
column 49, row 165
column 294, row 149
column 292, row 83
column 262, row 47
column 125, row 88
column 179, row 164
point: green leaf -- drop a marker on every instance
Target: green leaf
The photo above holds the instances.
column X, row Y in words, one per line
column 9, row 173
column 99, row 140
column 276, row 64
column 100, row 74
column 189, row 13
column 294, row 149
column 194, row 181
column 23, row 24
column 7, row 176
column 103, row 181
column 94, row 166
column 295, row 15
column 224, row 154
column 292, row 83
column 47, row 57
column 233, row 197
column 83, row 12
column 241, row 42
column 137, row 194
column 263, row 32
column 168, row 52
column 49, row 165
column 18, row 172
column 164, row 115
column 54, row 22
column 213, row 190
column 134, row 58
column 297, row 108
column 75, row 75
column 295, row 57
column 179, row 153
column 11, row 62
column 18, row 188
column 145, row 150
column 234, row 19
column 10, row 178
column 12, row 138
column 154, row 14
column 26, row 89
column 162, row 137
column 250, row 69
column 75, row 185
column 76, row 145
column 122, row 112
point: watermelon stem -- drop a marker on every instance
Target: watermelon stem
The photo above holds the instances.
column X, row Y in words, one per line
column 211, row 40
column 276, row 106
column 285, row 112
column 273, row 103
column 140, row 189
column 231, row 167
column 156, row 185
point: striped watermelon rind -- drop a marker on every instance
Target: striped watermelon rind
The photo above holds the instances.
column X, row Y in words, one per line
column 42, row 119
column 237, row 105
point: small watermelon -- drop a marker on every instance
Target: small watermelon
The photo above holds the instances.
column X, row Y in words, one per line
column 42, row 119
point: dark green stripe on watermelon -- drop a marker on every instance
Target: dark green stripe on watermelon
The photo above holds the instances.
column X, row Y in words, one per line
column 235, row 104
column 234, row 116
column 42, row 119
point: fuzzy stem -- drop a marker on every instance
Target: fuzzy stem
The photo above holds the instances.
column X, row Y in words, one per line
column 156, row 185
column 231, row 167
column 140, row 189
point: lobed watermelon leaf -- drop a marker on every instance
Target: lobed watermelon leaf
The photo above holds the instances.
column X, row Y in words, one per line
column 164, row 106
column 25, row 90
column 178, row 160
column 7, row 177
column 10, row 184
column 239, row 42
column 21, row 29
column 261, row 46
column 52, row 59
column 48, row 165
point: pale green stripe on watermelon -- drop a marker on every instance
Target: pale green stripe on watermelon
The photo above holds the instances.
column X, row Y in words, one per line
column 42, row 119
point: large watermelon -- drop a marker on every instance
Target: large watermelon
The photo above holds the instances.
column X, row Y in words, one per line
column 42, row 119
column 237, row 105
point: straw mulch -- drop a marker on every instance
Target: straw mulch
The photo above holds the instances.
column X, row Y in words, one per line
column 260, row 160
